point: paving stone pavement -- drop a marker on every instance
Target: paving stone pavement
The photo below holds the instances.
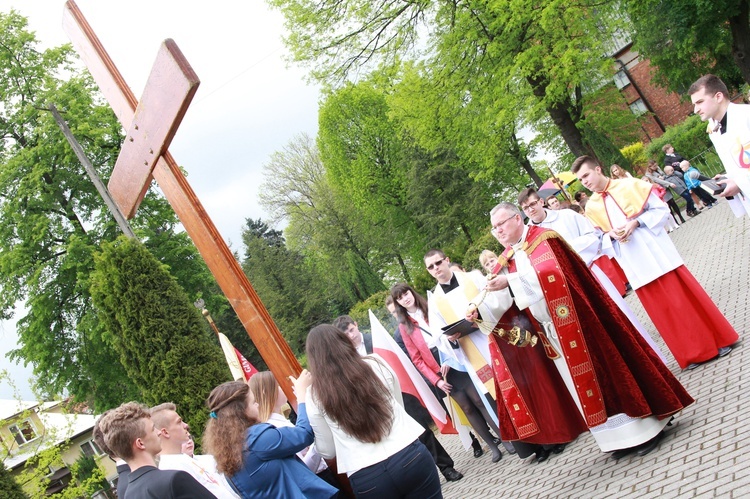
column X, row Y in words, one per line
column 705, row 453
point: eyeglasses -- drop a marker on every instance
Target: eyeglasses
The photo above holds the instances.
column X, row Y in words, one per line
column 495, row 228
column 531, row 205
column 436, row 264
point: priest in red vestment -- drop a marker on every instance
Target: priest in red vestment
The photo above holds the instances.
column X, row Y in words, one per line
column 632, row 219
column 624, row 392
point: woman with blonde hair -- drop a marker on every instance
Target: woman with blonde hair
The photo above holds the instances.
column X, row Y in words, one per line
column 617, row 171
column 271, row 399
column 357, row 413
column 259, row 460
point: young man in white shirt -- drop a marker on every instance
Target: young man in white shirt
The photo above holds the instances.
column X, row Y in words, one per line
column 173, row 434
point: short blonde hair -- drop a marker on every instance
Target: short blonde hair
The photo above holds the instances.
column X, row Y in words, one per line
column 485, row 257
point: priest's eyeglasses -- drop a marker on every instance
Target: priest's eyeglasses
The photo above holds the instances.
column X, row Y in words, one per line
column 531, row 204
column 497, row 227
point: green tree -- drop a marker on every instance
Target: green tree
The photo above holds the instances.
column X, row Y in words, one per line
column 365, row 158
column 160, row 337
column 547, row 54
column 53, row 221
column 690, row 38
column 323, row 224
column 51, row 216
column 9, row 488
column 286, row 284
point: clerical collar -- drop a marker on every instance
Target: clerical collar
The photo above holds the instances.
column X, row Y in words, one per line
column 453, row 284
column 546, row 216
column 519, row 245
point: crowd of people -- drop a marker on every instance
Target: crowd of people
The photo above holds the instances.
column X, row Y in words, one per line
column 529, row 354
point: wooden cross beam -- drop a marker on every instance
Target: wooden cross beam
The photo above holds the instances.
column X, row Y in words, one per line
column 151, row 126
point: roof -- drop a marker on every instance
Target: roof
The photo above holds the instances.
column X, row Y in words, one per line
column 10, row 408
column 57, row 429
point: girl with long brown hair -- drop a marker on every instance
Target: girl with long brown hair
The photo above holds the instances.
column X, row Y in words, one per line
column 258, row 459
column 356, row 411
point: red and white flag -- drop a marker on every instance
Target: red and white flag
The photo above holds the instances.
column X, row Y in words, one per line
column 409, row 378
column 241, row 368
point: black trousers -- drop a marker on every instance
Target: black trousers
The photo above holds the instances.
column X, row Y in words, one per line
column 417, row 411
column 675, row 210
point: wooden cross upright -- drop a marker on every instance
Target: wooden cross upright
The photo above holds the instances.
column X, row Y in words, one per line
column 151, row 125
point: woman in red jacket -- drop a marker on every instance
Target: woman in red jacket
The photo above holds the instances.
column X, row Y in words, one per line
column 421, row 343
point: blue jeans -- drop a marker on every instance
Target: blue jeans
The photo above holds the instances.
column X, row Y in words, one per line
column 409, row 473
column 688, row 201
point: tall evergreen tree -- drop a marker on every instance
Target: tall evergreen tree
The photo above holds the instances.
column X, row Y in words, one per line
column 9, row 488
column 161, row 338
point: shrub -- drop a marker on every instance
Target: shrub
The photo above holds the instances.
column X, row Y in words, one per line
column 636, row 154
column 689, row 139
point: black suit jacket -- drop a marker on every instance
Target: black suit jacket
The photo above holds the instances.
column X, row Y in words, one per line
column 123, row 474
column 148, row 482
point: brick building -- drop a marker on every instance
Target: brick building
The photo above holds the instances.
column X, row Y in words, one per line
column 658, row 107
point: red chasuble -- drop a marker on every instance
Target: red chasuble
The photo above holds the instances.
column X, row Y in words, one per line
column 537, row 407
column 613, row 367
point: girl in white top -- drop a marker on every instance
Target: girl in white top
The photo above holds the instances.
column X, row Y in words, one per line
column 356, row 411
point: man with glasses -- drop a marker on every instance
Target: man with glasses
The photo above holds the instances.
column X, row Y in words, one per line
column 465, row 366
column 578, row 232
column 624, row 392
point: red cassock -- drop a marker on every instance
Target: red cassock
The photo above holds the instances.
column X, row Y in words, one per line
column 612, row 365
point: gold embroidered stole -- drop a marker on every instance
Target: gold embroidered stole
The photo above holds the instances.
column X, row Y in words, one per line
column 472, row 353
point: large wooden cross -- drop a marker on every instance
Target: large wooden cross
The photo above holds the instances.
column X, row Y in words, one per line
column 151, row 125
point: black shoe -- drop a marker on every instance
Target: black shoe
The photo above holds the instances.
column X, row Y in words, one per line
column 692, row 366
column 496, row 455
column 496, row 441
column 652, row 444
column 557, row 449
column 724, row 351
column 478, row 452
column 620, row 453
column 451, row 475
column 542, row 455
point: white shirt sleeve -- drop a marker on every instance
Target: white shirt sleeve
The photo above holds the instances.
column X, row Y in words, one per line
column 324, row 441
column 524, row 282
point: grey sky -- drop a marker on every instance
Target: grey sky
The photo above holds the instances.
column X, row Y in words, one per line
column 249, row 103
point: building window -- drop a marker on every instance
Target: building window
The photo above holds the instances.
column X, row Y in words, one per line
column 621, row 79
column 23, row 432
column 90, row 449
column 638, row 107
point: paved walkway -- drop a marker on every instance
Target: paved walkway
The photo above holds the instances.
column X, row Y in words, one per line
column 705, row 454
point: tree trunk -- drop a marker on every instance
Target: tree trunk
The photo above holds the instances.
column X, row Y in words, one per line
column 404, row 270
column 466, row 232
column 563, row 120
column 740, row 28
column 523, row 159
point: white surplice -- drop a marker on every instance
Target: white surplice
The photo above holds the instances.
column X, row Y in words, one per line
column 620, row 431
column 649, row 252
column 729, row 146
column 586, row 241
column 490, row 310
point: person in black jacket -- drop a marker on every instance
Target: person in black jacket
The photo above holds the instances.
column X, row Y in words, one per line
column 672, row 158
column 130, row 434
